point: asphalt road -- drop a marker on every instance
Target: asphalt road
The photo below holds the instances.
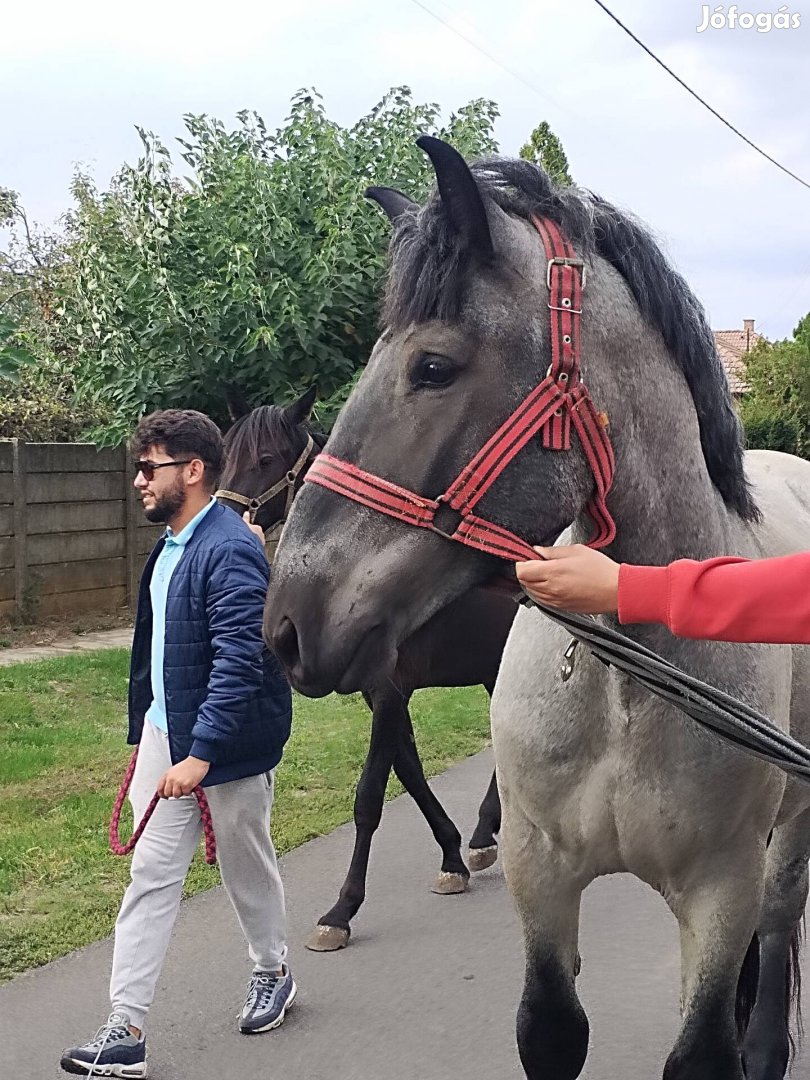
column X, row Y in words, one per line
column 427, row 988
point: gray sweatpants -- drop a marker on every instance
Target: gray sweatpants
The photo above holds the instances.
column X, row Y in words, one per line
column 247, row 861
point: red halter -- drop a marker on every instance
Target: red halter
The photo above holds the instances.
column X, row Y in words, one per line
column 560, row 399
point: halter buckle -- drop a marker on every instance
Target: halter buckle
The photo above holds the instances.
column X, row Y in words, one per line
column 567, row 666
column 445, row 509
column 558, row 260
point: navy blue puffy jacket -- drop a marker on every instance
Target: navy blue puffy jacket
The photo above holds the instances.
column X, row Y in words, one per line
column 227, row 700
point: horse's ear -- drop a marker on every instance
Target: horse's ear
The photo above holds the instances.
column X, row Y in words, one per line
column 237, row 404
column 301, row 410
column 459, row 194
column 393, row 202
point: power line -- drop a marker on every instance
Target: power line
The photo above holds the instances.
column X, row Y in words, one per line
column 531, row 86
column 494, row 59
column 706, row 105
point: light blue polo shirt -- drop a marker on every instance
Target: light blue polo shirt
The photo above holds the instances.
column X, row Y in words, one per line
column 159, row 591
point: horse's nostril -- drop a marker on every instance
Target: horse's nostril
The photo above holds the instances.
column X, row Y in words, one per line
column 285, row 643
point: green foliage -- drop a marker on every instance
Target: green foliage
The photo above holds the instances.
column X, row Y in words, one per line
column 776, row 412
column 327, row 408
column 13, row 352
column 261, row 271
column 15, row 287
column 802, row 332
column 767, row 429
column 62, row 756
column 38, row 406
column 545, row 149
column 37, row 399
column 32, row 271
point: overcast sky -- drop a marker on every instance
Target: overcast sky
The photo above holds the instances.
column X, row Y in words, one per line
column 76, row 75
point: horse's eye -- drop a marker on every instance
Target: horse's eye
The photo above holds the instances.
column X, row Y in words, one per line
column 265, row 460
column 433, row 371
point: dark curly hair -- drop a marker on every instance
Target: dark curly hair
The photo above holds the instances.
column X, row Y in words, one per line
column 181, row 433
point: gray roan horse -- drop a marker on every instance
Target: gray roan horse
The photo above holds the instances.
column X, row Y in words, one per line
column 268, row 452
column 596, row 776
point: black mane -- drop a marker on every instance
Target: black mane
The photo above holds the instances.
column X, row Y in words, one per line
column 427, row 279
column 268, row 429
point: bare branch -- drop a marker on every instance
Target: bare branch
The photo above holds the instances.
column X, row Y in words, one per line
column 14, row 295
column 30, row 243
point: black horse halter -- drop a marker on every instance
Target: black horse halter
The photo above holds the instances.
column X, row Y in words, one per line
column 273, row 531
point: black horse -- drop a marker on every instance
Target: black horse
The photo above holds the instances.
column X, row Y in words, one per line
column 268, row 451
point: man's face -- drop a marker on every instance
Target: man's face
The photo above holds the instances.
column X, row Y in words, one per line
column 164, row 496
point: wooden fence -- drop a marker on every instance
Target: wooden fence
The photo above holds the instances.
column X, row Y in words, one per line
column 73, row 537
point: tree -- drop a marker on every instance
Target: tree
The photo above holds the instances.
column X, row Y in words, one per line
column 776, row 412
column 260, row 271
column 802, row 331
column 18, row 280
column 37, row 393
column 13, row 351
column 545, row 149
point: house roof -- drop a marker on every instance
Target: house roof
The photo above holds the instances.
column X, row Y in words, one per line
column 732, row 345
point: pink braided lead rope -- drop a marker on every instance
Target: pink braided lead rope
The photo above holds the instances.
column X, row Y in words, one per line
column 118, row 848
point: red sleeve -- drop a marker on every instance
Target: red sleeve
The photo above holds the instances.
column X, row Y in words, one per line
column 765, row 600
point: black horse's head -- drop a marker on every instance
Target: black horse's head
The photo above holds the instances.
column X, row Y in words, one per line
column 267, row 453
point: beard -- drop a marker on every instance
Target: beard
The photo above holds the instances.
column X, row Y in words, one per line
column 168, row 505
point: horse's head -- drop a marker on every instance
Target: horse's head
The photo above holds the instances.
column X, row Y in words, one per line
column 267, row 453
column 466, row 339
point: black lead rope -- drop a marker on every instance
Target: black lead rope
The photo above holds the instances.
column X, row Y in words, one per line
column 733, row 720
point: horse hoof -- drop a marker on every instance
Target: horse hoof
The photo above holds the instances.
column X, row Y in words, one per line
column 327, row 939
column 446, row 883
column 482, row 857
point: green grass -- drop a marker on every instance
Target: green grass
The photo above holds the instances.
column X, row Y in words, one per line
column 62, row 755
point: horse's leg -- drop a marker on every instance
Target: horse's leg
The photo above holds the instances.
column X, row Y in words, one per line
column 453, row 876
column 552, row 1028
column 333, row 929
column 767, row 1046
column 717, row 917
column 483, row 849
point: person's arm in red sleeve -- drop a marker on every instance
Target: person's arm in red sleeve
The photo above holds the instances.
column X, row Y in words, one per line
column 727, row 599
column 764, row 600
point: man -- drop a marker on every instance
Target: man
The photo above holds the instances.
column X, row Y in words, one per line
column 724, row 599
column 208, row 705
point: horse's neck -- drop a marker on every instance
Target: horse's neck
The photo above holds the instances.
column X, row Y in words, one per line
column 666, row 508
column 673, row 518
column 663, row 500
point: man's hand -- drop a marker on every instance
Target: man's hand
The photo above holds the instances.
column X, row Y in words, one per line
column 572, row 578
column 182, row 778
column 257, row 530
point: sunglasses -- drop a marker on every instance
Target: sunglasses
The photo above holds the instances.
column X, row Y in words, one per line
column 147, row 468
